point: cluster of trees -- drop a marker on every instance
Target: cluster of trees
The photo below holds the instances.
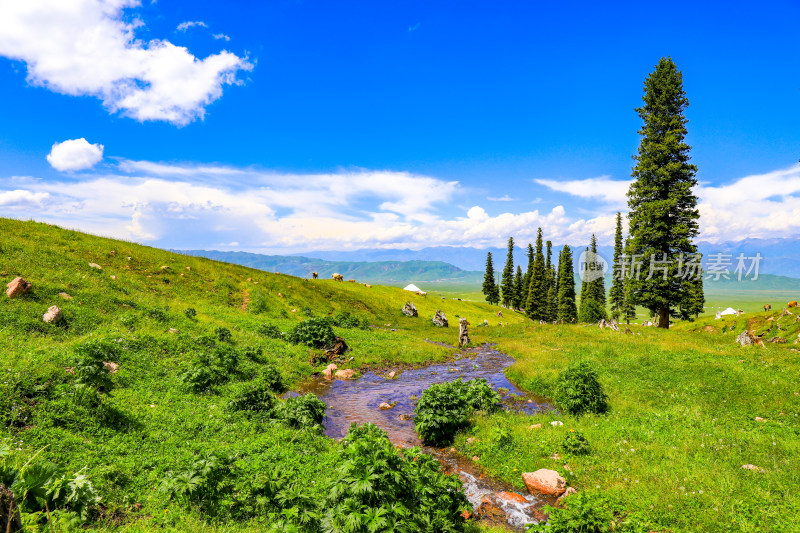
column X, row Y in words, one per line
column 663, row 221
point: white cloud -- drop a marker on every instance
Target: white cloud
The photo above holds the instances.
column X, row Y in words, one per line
column 21, row 199
column 220, row 36
column 603, row 188
column 85, row 47
column 758, row 206
column 75, row 154
column 183, row 26
column 505, row 198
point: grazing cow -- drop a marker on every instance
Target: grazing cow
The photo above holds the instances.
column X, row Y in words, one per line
column 337, row 277
column 315, row 275
column 792, row 304
column 767, row 307
column 351, row 280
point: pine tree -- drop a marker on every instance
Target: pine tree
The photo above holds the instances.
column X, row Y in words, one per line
column 695, row 303
column 628, row 306
column 566, row 287
column 552, row 295
column 526, row 279
column 518, row 288
column 490, row 289
column 537, row 289
column 617, row 293
column 593, row 291
column 663, row 209
column 507, row 283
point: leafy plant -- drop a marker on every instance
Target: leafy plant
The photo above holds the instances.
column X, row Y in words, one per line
column 223, row 334
column 255, row 397
column 579, row 391
column 344, row 319
column 191, row 313
column 210, row 369
column 377, row 487
column 302, row 412
column 445, row 408
column 202, row 483
column 89, row 368
column 585, row 512
column 575, row 443
column 270, row 331
column 314, row 332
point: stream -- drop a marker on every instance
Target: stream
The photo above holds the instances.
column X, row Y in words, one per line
column 357, row 401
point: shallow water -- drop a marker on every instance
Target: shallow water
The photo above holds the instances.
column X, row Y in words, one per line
column 357, row 401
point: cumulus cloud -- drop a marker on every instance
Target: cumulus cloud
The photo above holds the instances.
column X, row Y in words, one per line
column 21, row 199
column 87, row 48
column 758, row 206
column 221, row 36
column 183, row 26
column 75, row 154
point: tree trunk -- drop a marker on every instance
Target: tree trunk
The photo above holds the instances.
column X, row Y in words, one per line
column 663, row 317
column 9, row 513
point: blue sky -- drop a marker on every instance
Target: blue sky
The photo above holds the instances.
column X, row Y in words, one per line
column 287, row 126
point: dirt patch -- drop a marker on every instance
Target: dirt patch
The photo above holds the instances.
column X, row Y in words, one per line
column 245, row 299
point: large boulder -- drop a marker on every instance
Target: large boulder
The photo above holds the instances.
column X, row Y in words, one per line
column 348, row 373
column 746, row 338
column 409, row 309
column 463, row 332
column 329, row 371
column 439, row 319
column 17, row 287
column 545, row 481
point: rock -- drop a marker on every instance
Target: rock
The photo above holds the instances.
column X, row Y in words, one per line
column 329, row 371
column 165, row 268
column 53, row 315
column 111, row 366
column 410, row 310
column 560, row 500
column 628, row 331
column 555, row 423
column 345, row 374
column 337, row 348
column 647, row 323
column 173, row 330
column 746, row 338
column 778, row 340
column 10, row 521
column 476, row 458
column 406, row 417
column 384, row 406
column 545, row 481
column 490, row 512
column 754, row 468
column 471, row 440
column 112, row 253
column 535, row 426
column 709, row 329
column 114, row 278
column 759, row 419
column 17, row 287
column 95, row 265
column 439, row 319
column 512, row 497
column 463, row 332
column 391, row 375
column 65, row 296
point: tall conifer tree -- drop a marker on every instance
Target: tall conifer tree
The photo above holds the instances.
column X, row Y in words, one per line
column 537, row 289
column 567, row 310
column 519, row 288
column 507, row 282
column 593, row 291
column 617, row 293
column 628, row 306
column 663, row 215
column 490, row 289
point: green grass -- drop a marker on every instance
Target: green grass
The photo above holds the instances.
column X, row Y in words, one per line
column 682, row 424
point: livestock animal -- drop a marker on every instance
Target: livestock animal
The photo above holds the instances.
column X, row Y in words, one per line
column 792, row 304
column 337, row 277
column 767, row 307
column 315, row 275
column 351, row 280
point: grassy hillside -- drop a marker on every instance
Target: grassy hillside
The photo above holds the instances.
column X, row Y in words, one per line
column 149, row 427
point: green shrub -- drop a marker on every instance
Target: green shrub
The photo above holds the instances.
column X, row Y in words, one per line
column 88, row 365
column 575, row 443
column 307, row 312
column 159, row 315
column 271, row 378
column 445, row 408
column 256, row 397
column 585, row 512
column 203, row 483
column 314, row 332
column 579, row 391
column 592, row 311
column 198, row 377
column 302, row 412
column 343, row 319
column 210, row 369
column 190, row 313
column 500, row 438
column 270, row 331
column 377, row 487
column 223, row 334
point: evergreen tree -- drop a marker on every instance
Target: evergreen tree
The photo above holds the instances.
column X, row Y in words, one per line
column 566, row 287
column 617, row 293
column 628, row 306
column 552, row 295
column 663, row 209
column 490, row 289
column 692, row 306
column 518, row 288
column 507, row 283
column 537, row 289
column 593, row 291
column 526, row 279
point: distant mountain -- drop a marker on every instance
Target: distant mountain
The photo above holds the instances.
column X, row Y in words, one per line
column 385, row 272
column 779, row 256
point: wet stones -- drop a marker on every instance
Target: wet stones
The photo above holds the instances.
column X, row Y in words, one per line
column 439, row 319
column 545, row 481
column 348, row 373
column 385, row 406
column 410, row 310
column 463, row 332
column 329, row 371
column 512, row 497
column 17, row 287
